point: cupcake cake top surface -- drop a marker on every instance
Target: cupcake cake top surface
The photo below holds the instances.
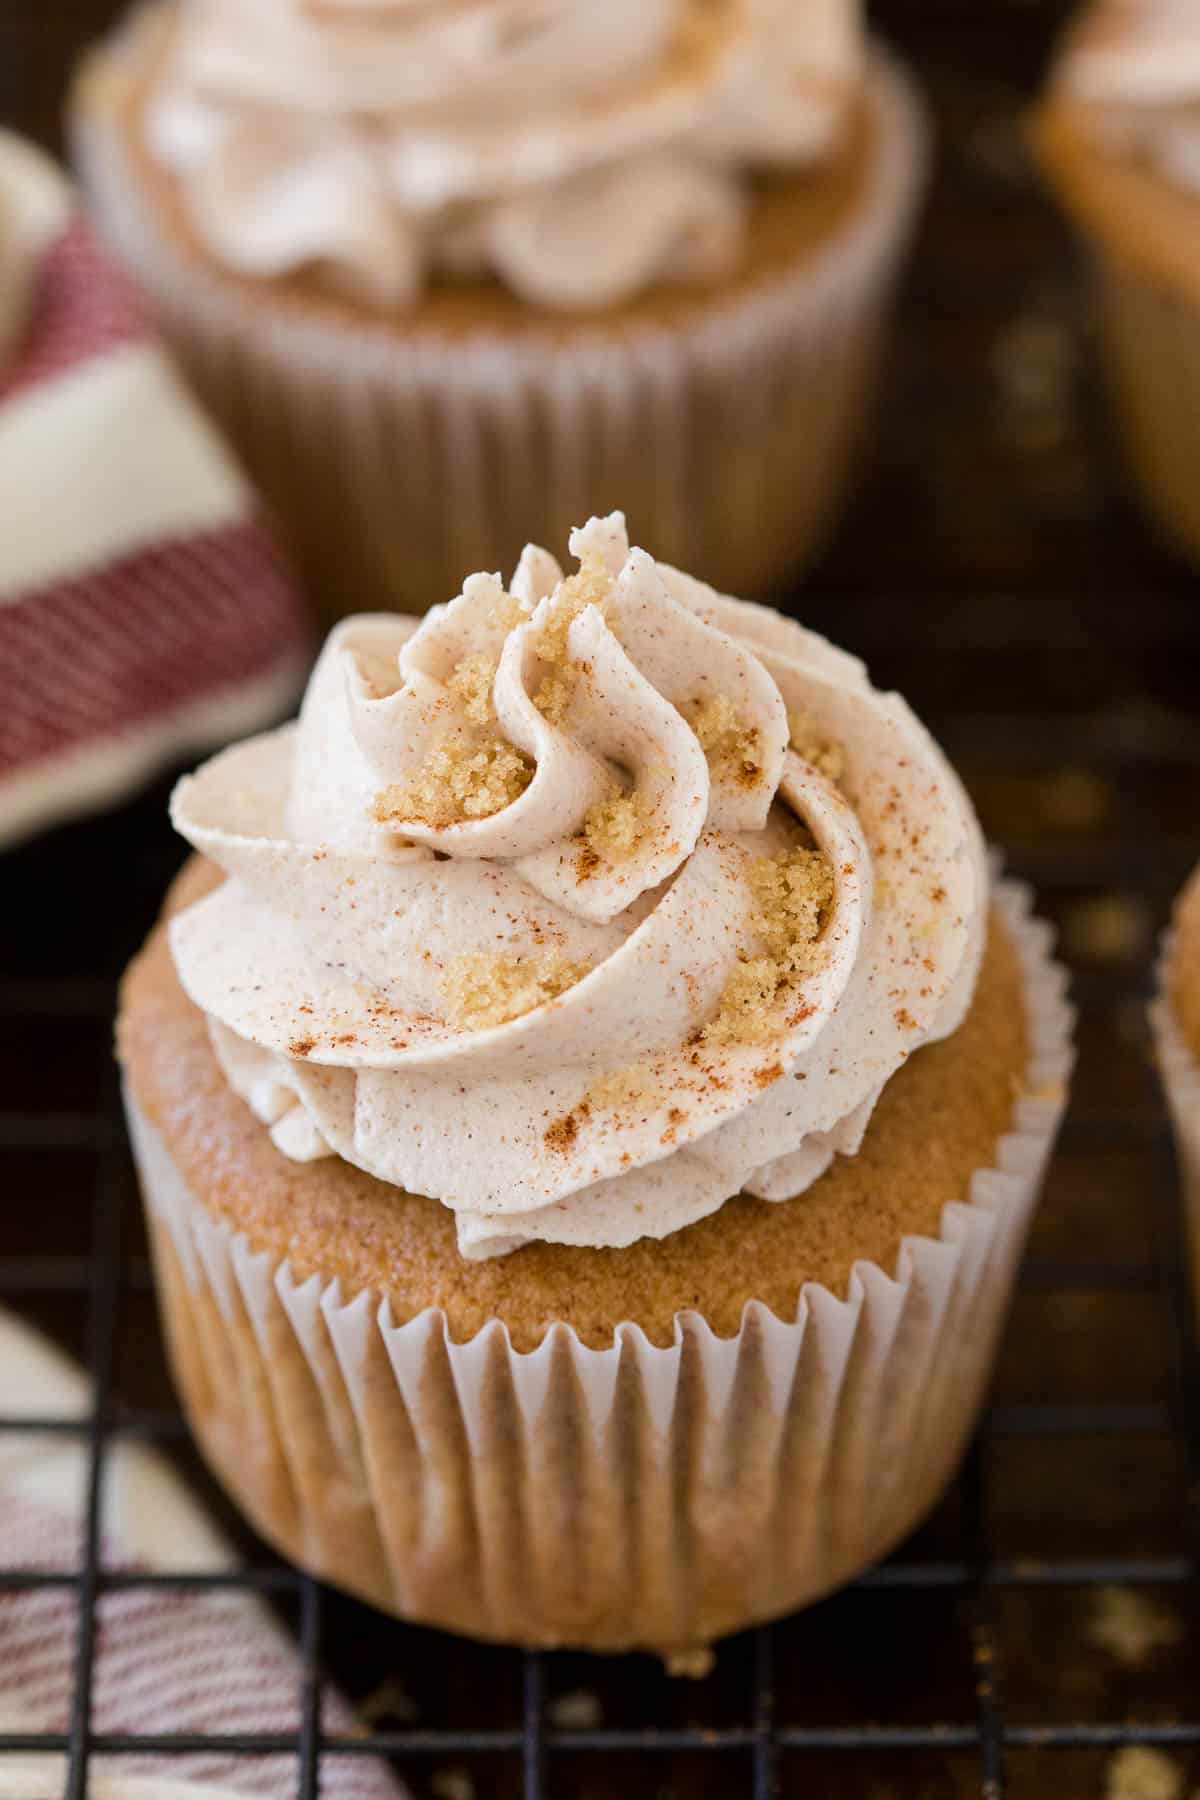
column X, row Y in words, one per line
column 581, row 151
column 582, row 905
column 1134, row 65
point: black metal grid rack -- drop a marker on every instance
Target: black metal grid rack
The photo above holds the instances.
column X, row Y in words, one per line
column 993, row 570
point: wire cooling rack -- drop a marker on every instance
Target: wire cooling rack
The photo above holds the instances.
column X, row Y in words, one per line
column 1045, row 1616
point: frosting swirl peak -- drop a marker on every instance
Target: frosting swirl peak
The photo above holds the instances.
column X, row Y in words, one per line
column 1136, row 64
column 581, row 152
column 582, row 905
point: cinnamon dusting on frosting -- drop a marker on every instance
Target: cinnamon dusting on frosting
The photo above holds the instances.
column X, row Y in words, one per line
column 733, row 748
column 460, row 779
column 485, row 988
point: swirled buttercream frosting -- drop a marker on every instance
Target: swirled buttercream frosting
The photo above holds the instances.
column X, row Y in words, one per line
column 579, row 151
column 1136, row 64
column 583, row 904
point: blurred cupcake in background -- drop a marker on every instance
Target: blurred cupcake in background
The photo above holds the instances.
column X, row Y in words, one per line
column 456, row 275
column 1118, row 136
column 1176, row 1020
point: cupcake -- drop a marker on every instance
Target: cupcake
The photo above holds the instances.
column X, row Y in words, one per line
column 1118, row 136
column 1175, row 1017
column 453, row 276
column 590, row 1098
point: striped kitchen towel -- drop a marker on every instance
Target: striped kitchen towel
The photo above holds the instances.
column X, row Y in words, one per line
column 146, row 611
column 168, row 1661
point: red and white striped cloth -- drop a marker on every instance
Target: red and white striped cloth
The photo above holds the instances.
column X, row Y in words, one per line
column 145, row 608
column 167, row 1661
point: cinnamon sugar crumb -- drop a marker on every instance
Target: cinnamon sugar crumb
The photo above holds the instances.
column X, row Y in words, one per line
column 733, row 748
column 590, row 586
column 794, row 892
column 485, row 988
column 301, row 1046
column 768, row 1074
column 458, row 780
column 472, row 683
column 475, row 673
column 806, row 738
column 623, row 1087
column 611, row 831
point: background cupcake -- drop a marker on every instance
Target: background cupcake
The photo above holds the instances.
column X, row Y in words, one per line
column 455, row 277
column 1118, row 136
column 614, row 1239
column 1176, row 1020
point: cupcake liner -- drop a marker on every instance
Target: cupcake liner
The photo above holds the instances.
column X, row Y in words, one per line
column 399, row 463
column 1180, row 1072
column 628, row 1497
column 1150, row 344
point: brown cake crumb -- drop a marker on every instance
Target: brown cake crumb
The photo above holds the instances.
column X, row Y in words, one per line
column 591, row 586
column 808, row 741
column 794, row 892
column 733, row 748
column 484, row 988
column 458, row 780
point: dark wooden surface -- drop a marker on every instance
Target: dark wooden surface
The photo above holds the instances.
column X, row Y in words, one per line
column 991, row 566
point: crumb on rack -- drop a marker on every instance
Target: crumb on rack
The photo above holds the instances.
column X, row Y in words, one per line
column 733, row 748
column 484, row 988
column 460, row 779
column 1139, row 1772
column 579, row 1709
column 807, row 739
column 590, row 586
column 793, row 894
column 1130, row 1625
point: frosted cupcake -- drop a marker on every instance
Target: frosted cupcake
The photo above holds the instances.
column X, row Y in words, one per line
column 589, row 1131
column 1176, row 1020
column 453, row 275
column 1118, row 136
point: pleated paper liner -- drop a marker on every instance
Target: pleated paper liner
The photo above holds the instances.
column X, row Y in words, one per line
column 631, row 1496
column 400, row 464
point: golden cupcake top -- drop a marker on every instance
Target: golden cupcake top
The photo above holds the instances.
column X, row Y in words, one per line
column 579, row 150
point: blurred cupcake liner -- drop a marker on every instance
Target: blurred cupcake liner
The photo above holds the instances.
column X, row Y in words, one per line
column 1180, row 1072
column 628, row 1497
column 1150, row 344
column 397, row 462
